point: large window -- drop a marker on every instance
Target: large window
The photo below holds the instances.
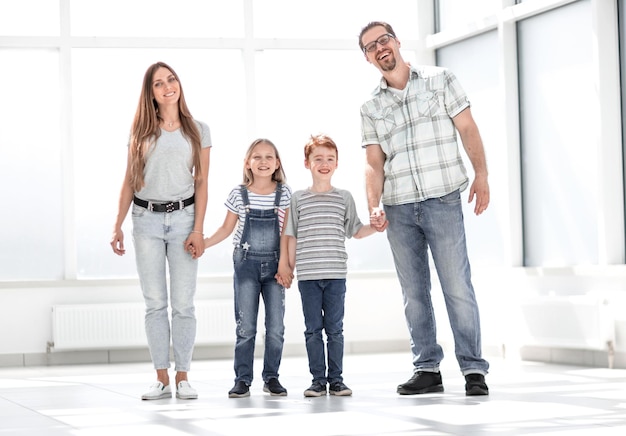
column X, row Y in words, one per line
column 72, row 72
column 478, row 75
column 31, row 166
column 622, row 45
column 559, row 121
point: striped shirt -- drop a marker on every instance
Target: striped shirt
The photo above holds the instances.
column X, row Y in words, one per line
column 320, row 222
column 234, row 203
column 416, row 132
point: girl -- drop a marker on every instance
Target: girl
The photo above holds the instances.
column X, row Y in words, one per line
column 166, row 179
column 259, row 209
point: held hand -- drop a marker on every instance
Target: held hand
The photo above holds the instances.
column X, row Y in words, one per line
column 194, row 244
column 282, row 282
column 117, row 242
column 378, row 220
column 287, row 280
column 480, row 188
column 284, row 276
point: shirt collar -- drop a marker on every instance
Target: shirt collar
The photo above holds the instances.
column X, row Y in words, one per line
column 413, row 73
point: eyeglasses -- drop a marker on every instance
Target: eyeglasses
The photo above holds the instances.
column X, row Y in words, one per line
column 382, row 40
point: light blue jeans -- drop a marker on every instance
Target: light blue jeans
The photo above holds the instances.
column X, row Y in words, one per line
column 159, row 252
column 413, row 228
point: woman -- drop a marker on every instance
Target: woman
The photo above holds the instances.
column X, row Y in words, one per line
column 166, row 180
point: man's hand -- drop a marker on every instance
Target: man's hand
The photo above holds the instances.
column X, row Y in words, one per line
column 378, row 220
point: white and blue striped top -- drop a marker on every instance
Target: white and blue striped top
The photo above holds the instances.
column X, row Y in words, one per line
column 234, row 203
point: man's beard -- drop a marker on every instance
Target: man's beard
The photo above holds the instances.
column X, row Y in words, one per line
column 388, row 66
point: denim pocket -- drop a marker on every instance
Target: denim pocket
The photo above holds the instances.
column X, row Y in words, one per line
column 138, row 211
column 451, row 198
column 237, row 256
column 190, row 210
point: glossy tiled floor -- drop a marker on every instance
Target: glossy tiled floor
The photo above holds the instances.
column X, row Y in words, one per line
column 526, row 398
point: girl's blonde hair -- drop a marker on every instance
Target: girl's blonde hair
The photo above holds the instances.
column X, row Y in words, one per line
column 278, row 176
column 145, row 129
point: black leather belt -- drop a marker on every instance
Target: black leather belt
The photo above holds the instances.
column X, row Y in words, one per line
column 164, row 207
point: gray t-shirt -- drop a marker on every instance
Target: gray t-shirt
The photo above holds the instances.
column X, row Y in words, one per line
column 168, row 173
column 321, row 222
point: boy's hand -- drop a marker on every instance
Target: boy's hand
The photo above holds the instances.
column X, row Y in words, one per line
column 284, row 276
column 378, row 220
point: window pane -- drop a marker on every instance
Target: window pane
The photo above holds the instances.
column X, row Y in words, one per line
column 29, row 17
column 166, row 18
column 454, row 13
column 304, row 101
column 105, row 99
column 559, row 124
column 475, row 62
column 331, row 19
column 622, row 53
column 30, row 167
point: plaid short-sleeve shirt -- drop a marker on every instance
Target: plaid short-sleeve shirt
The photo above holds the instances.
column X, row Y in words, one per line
column 416, row 132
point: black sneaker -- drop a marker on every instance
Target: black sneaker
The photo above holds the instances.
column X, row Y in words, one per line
column 240, row 390
column 422, row 382
column 274, row 388
column 475, row 385
column 339, row 389
column 315, row 390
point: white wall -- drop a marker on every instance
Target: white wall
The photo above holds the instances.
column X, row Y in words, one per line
column 374, row 319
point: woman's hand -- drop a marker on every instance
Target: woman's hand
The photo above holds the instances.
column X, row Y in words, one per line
column 194, row 244
column 117, row 242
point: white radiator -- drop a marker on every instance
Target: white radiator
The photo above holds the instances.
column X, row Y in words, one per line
column 121, row 325
column 579, row 322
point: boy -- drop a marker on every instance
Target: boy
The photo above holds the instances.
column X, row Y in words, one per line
column 314, row 242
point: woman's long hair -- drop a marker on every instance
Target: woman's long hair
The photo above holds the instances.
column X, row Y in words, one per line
column 145, row 129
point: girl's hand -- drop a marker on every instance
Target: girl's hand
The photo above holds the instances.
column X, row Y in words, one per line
column 284, row 277
column 286, row 283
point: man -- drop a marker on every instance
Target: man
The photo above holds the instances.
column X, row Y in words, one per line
column 414, row 167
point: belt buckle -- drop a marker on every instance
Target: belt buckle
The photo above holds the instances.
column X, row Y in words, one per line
column 170, row 207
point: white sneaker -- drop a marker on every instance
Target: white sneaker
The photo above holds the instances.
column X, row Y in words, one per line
column 184, row 391
column 158, row 391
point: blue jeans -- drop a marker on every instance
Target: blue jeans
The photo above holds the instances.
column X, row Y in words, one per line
column 413, row 228
column 254, row 277
column 323, row 303
column 158, row 238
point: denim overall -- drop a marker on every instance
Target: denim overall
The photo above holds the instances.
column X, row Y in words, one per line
column 255, row 262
